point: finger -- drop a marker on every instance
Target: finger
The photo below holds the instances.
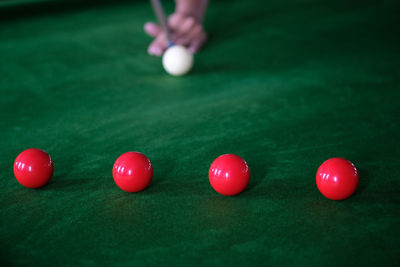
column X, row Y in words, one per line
column 197, row 30
column 158, row 46
column 174, row 21
column 185, row 27
column 152, row 29
column 197, row 43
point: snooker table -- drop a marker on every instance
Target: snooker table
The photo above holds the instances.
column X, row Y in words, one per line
column 284, row 84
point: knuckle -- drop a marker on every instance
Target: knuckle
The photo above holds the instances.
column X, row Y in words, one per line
column 190, row 21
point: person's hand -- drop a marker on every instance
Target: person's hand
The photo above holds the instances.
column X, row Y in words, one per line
column 185, row 30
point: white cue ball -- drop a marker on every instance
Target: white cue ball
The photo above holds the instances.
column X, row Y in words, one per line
column 177, row 60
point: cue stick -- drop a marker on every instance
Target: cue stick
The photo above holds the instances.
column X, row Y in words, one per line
column 162, row 19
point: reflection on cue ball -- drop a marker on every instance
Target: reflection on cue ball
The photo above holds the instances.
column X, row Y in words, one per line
column 177, row 60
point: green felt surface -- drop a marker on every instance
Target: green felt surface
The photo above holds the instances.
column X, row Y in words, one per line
column 284, row 84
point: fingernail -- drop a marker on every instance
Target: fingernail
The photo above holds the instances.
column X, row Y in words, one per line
column 153, row 50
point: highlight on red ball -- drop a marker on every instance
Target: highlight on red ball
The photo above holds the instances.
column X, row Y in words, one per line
column 33, row 168
column 132, row 172
column 337, row 178
column 229, row 174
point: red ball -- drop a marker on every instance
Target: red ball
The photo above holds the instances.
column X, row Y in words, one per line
column 132, row 172
column 229, row 174
column 337, row 178
column 33, row 168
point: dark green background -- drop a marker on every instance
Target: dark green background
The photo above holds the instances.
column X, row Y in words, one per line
column 284, row 84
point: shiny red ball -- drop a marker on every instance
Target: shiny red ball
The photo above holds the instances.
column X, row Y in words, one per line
column 337, row 178
column 132, row 172
column 229, row 174
column 33, row 168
